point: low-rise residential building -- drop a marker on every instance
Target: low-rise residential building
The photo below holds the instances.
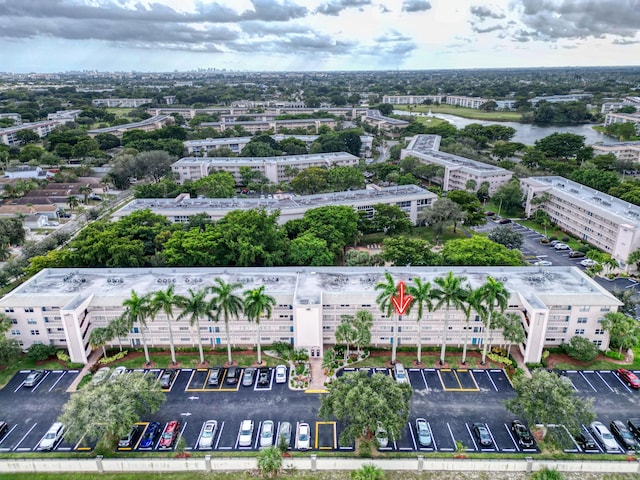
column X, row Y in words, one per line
column 148, row 125
column 571, row 97
column 458, row 173
column 233, row 112
column 411, row 99
column 466, row 102
column 120, row 102
column 410, row 198
column 614, row 117
column 276, row 169
column 49, row 211
column 375, row 118
column 64, row 114
column 15, row 117
column 24, row 171
column 606, row 222
column 259, row 126
column 625, row 151
column 8, row 135
column 63, row 306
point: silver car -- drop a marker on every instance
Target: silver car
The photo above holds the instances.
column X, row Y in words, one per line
column 381, row 436
column 284, row 434
column 208, row 433
column 603, row 435
column 266, row 434
column 52, row 437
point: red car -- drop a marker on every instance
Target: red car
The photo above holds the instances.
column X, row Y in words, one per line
column 170, row 434
column 629, row 377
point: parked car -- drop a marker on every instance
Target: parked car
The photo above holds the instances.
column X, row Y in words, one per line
column 214, row 377
column 401, row 373
column 266, row 434
column 504, row 221
column 170, row 434
column 481, row 432
column 604, row 436
column 263, row 377
column 522, row 434
column 623, row 434
column 4, row 428
column 246, row 433
column 52, row 437
column 34, row 378
column 232, row 376
column 150, row 435
column 629, row 378
column 543, row 263
column 304, row 436
column 117, row 372
column 553, row 243
column 489, row 213
column 634, row 426
column 576, row 254
column 248, row 377
column 281, row 374
column 167, row 378
column 586, row 441
column 587, row 262
column 381, row 436
column 424, row 433
column 101, row 375
column 127, row 440
column 284, row 434
column 562, row 246
column 208, row 432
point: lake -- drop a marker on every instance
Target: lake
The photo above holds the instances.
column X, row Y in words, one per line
column 526, row 133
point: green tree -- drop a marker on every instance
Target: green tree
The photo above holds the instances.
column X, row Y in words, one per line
column 404, row 250
column 9, row 347
column 362, row 403
column 98, row 339
column 623, row 330
column 345, row 178
column 227, row 305
column 215, row 185
column 362, row 323
column 270, row 461
column 85, row 190
column 479, row 251
column 495, row 298
column 509, row 197
column 442, row 213
column 25, row 136
column 195, row 306
column 311, row 180
column 387, row 290
column 31, row 152
column 110, row 408
column 72, row 202
column 513, row 331
column 346, row 333
column 560, row 145
column 448, row 292
column 548, row 398
column 472, row 304
column 256, row 304
column 468, row 201
column 136, row 311
column 107, row 141
column 308, row 249
column 423, row 296
column 581, row 348
column 165, row 301
column 390, row 219
column 507, row 236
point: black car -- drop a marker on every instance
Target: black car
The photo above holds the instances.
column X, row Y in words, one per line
column 576, row 254
column 504, row 221
column 214, row 376
column 522, row 434
column 4, row 428
column 623, row 435
column 232, row 376
column 482, row 434
column 167, row 378
column 34, row 378
column 586, row 441
column 263, row 377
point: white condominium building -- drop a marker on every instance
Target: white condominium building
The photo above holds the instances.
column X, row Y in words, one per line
column 120, row 102
column 153, row 123
column 42, row 129
column 605, row 222
column 410, row 198
column 466, row 102
column 258, row 126
column 612, row 118
column 457, row 171
column 411, row 99
column 276, row 169
column 626, row 151
column 233, row 112
column 62, row 306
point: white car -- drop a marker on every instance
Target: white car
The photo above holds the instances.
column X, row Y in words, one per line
column 266, row 434
column 543, row 263
column 208, row 432
column 381, row 436
column 51, row 438
column 281, row 374
column 562, row 246
column 603, row 434
column 246, row 433
column 587, row 262
column 101, row 375
column 117, row 372
column 304, row 436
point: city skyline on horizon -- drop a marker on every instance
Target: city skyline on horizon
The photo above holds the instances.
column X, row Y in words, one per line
column 55, row 36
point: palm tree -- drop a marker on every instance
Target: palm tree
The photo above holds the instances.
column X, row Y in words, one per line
column 422, row 294
column 72, row 201
column 388, row 290
column 362, row 323
column 85, row 190
column 513, row 332
column 449, row 292
column 137, row 309
column 98, row 338
column 473, row 303
column 226, row 303
column 195, row 306
column 165, row 300
column 256, row 303
column 494, row 296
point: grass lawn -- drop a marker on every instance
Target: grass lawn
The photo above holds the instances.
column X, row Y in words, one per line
column 430, row 122
column 464, row 112
column 553, row 232
column 603, row 363
column 191, row 360
column 120, row 112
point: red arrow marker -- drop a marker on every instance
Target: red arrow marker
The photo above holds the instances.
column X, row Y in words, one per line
column 401, row 302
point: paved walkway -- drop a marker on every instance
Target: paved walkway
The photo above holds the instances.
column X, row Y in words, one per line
column 92, row 360
column 517, row 356
column 317, row 376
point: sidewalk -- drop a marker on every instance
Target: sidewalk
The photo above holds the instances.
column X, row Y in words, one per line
column 517, row 356
column 92, row 360
column 316, row 385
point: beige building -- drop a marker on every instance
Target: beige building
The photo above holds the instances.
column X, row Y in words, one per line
column 612, row 118
column 410, row 198
column 148, row 125
column 8, row 135
column 626, row 151
column 233, row 112
column 606, row 222
column 62, row 306
column 274, row 168
column 466, row 102
column 259, row 126
column 120, row 102
column 411, row 99
column 456, row 171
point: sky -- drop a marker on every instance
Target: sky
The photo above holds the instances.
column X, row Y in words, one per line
column 313, row 35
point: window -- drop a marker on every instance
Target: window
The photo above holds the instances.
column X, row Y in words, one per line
column 605, row 309
column 579, row 331
column 582, row 319
column 28, row 309
column 15, row 332
column 597, row 343
column 8, row 310
column 599, row 331
column 31, row 321
column 584, row 308
column 35, row 332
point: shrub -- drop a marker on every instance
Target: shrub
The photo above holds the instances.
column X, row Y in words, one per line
column 581, row 349
column 613, row 354
column 40, row 351
column 547, row 474
column 584, row 248
column 117, row 356
column 500, row 359
column 62, row 355
column 552, row 238
column 565, row 239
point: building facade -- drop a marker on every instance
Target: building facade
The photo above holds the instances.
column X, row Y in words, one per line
column 457, row 172
column 259, row 126
column 613, row 117
column 466, row 102
column 148, row 125
column 62, row 306
column 42, row 129
column 411, row 99
column 606, row 222
column 625, row 151
column 120, row 102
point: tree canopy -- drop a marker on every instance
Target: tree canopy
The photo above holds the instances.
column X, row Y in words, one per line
column 479, row 250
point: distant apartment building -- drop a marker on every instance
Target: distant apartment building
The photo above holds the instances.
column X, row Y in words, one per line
column 375, row 118
column 24, row 171
column 233, row 112
column 42, row 129
column 571, row 97
column 608, row 107
column 64, row 114
column 613, row 117
column 457, row 172
column 625, row 151
column 15, row 117
column 148, row 125
column 411, row 99
column 61, row 307
column 466, row 102
column 410, row 198
column 236, row 144
column 257, row 126
column 120, row 102
column 276, row 169
column 606, row 222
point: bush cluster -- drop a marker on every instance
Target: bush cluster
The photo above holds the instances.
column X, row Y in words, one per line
column 117, row 356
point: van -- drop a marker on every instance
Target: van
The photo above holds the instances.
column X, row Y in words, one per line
column 401, row 373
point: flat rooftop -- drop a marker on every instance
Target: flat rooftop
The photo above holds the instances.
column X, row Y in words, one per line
column 327, row 157
column 130, row 126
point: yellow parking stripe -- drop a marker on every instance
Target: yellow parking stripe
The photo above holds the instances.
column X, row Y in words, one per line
column 332, row 447
column 316, row 391
column 79, row 448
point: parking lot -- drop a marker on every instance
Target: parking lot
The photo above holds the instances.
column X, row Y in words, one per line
column 450, row 401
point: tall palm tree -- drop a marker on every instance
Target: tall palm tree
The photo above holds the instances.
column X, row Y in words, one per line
column 257, row 303
column 165, row 300
column 226, row 304
column 473, row 303
column 495, row 298
column 137, row 309
column 195, row 306
column 422, row 294
column 73, row 202
column 85, row 190
column 449, row 293
column 387, row 290
column 98, row 338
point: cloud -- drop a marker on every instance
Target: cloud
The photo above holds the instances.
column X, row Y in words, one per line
column 622, row 41
column 484, row 12
column 415, row 6
column 334, row 7
column 492, row 28
column 274, row 11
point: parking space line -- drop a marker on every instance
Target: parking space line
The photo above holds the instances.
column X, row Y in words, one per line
column 144, row 426
column 512, row 439
column 453, row 438
column 184, row 426
column 160, row 437
column 195, row 447
column 413, row 437
column 465, row 389
column 495, row 445
column 187, row 389
column 621, row 382
column 60, row 378
column 475, row 445
column 585, row 379
column 6, row 436
column 570, row 381
column 40, row 382
column 25, row 436
column 433, row 438
column 424, row 379
column 605, row 382
column 255, row 445
column 491, row 380
column 219, row 436
column 595, row 440
column 79, row 448
column 335, row 440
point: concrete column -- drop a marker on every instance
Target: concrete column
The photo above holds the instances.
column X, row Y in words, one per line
column 529, row 464
column 207, row 463
column 99, row 464
column 314, row 459
column 420, row 463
